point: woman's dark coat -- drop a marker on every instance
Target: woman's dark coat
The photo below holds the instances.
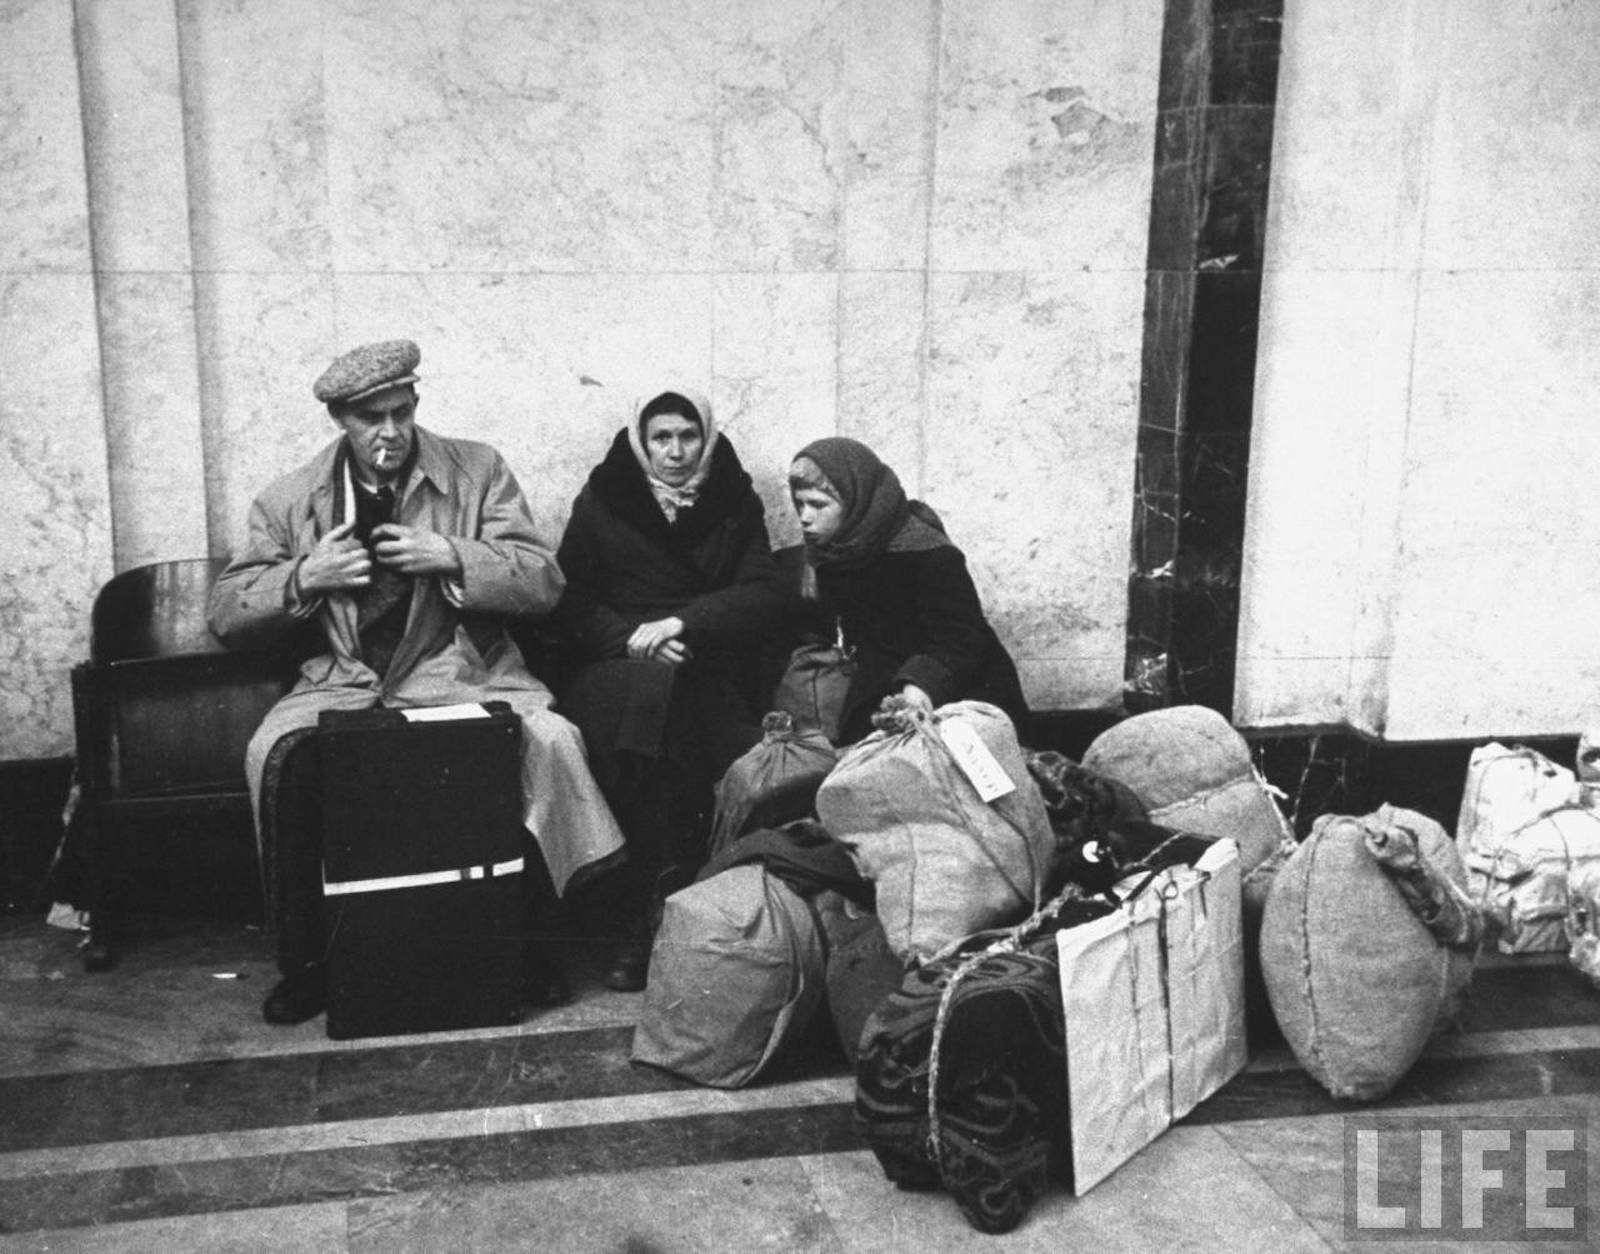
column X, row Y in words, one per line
column 712, row 566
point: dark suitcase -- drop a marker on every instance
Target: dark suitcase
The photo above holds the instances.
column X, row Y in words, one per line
column 422, row 870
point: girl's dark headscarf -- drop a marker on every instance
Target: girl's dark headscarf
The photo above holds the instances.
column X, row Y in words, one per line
column 877, row 517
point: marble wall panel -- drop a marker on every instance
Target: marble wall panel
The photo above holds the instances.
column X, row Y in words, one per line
column 1304, row 564
column 42, row 204
column 133, row 133
column 1353, row 135
column 152, row 408
column 884, row 223
column 256, row 128
column 1245, row 39
column 1032, row 403
column 138, row 195
column 507, row 136
column 1495, row 599
column 892, row 59
column 891, row 66
column 1431, row 307
column 269, row 336
column 1351, row 154
column 781, row 147
column 1046, row 116
column 882, row 344
column 255, row 133
column 1512, row 696
column 1515, row 184
column 891, row 63
column 775, row 375
column 55, row 550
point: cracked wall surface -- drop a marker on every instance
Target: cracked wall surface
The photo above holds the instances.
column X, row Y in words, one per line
column 917, row 222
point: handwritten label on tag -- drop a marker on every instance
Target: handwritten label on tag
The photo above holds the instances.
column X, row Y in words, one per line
column 980, row 767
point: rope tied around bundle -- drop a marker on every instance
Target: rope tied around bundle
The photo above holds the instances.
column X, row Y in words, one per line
column 1008, row 941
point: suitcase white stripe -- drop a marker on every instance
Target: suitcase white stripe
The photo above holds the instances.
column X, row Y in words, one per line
column 383, row 883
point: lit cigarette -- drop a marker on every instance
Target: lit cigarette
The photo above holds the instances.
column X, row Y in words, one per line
column 382, row 457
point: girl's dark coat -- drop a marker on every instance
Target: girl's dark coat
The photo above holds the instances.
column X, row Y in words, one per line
column 914, row 617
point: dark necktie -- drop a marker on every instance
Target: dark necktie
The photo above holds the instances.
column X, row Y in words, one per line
column 382, row 606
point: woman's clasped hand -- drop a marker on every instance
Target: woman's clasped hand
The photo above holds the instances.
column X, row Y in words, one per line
column 660, row 641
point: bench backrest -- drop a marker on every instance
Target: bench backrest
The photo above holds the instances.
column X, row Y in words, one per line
column 155, row 611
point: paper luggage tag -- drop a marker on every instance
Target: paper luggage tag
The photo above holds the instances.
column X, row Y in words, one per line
column 980, row 767
column 445, row 713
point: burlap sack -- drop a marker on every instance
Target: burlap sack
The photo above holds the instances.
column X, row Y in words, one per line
column 944, row 862
column 1357, row 981
column 787, row 758
column 1193, row 772
column 736, row 972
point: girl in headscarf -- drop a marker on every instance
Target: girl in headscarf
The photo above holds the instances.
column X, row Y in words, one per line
column 671, row 593
column 894, row 589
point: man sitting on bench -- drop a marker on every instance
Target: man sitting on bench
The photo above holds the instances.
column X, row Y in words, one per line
column 409, row 550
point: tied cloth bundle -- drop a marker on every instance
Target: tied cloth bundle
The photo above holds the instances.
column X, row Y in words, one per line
column 1443, row 905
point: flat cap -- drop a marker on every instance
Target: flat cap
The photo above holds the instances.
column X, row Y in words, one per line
column 368, row 369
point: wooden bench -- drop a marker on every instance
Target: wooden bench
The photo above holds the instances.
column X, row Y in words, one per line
column 162, row 714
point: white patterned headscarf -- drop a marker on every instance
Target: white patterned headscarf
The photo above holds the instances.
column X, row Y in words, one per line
column 672, row 499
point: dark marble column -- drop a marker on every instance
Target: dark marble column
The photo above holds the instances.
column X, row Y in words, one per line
column 1219, row 76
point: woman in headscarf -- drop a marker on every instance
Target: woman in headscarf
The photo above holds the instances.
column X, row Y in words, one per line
column 893, row 589
column 671, row 593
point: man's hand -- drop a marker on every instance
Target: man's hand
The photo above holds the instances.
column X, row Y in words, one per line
column 338, row 562
column 659, row 640
column 917, row 697
column 413, row 551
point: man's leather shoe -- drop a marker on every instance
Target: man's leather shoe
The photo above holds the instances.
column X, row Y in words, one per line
column 297, row 997
column 630, row 965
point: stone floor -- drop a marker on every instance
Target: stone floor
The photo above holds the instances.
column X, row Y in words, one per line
column 150, row 1108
